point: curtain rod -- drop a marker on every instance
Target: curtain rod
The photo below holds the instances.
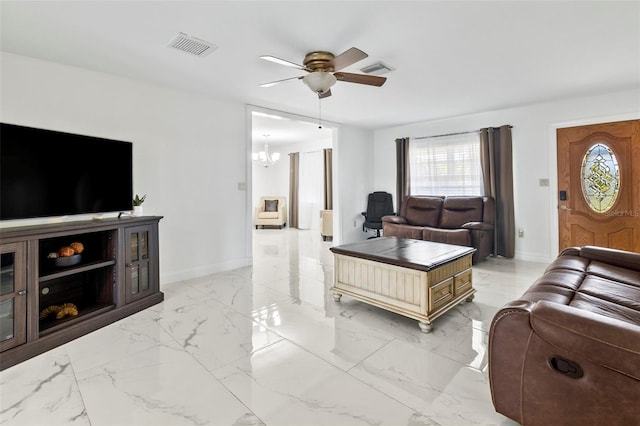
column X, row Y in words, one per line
column 453, row 134
column 310, row 152
column 447, row 134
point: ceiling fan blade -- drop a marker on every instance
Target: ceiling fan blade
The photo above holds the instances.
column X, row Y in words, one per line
column 279, row 81
column 283, row 62
column 348, row 57
column 371, row 80
column 325, row 94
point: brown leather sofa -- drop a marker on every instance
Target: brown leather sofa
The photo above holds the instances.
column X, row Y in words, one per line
column 568, row 351
column 465, row 221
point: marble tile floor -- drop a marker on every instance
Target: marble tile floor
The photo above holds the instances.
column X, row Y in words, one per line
column 267, row 345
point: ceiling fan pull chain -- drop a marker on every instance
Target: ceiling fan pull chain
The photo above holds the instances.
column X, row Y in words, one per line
column 319, row 113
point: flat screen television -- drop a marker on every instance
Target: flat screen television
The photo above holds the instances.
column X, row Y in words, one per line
column 45, row 173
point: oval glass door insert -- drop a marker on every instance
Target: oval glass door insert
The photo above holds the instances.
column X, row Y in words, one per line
column 600, row 178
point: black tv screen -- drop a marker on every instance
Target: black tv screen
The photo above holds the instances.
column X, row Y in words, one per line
column 45, row 173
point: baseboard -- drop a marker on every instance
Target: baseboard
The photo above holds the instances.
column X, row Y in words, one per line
column 201, row 271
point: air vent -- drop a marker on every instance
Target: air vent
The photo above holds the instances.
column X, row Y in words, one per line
column 378, row 68
column 192, row 45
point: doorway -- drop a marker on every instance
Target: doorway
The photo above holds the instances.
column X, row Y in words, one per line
column 599, row 185
column 288, row 134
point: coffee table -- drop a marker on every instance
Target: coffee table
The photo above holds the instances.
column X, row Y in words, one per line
column 418, row 279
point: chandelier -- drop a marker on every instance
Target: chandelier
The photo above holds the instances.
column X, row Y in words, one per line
column 264, row 158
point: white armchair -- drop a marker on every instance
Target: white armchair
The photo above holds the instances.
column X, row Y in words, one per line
column 271, row 211
column 326, row 224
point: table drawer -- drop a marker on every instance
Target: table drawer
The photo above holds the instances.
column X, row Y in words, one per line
column 462, row 282
column 440, row 294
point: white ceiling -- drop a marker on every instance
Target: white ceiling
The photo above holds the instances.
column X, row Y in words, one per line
column 283, row 129
column 451, row 57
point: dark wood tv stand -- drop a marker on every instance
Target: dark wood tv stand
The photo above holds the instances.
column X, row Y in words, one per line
column 117, row 275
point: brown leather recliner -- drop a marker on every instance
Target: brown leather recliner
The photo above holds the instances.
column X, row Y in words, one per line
column 465, row 221
column 568, row 351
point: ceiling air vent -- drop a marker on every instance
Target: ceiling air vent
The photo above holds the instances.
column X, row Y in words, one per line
column 192, row 45
column 378, row 68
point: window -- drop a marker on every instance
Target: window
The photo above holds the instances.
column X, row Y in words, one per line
column 446, row 165
column 600, row 177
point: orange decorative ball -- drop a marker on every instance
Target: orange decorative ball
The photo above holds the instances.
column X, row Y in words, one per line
column 77, row 247
column 66, row 252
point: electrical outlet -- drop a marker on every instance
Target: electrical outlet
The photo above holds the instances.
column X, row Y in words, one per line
column 521, row 233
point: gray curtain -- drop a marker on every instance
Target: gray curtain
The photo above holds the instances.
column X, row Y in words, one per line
column 402, row 171
column 497, row 172
column 328, row 179
column 294, row 183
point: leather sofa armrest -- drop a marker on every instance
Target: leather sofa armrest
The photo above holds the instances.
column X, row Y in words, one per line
column 480, row 226
column 610, row 342
column 394, row 219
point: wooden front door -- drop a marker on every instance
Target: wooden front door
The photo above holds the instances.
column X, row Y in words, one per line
column 599, row 185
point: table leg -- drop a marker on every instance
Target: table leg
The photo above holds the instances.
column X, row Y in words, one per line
column 425, row 327
column 470, row 298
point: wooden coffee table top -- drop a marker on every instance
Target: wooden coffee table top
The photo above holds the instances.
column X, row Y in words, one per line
column 414, row 254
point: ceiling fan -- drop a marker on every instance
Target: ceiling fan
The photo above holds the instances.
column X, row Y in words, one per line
column 324, row 70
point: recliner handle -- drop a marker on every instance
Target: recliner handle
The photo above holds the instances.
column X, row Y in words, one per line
column 567, row 367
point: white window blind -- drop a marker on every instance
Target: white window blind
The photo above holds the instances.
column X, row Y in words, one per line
column 446, row 165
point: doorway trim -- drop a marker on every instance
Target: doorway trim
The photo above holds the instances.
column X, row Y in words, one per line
column 554, row 230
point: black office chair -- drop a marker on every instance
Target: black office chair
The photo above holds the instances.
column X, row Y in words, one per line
column 379, row 204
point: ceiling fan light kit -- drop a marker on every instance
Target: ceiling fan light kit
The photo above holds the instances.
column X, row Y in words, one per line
column 319, row 82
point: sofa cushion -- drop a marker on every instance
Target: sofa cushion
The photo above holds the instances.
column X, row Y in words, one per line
column 268, row 215
column 456, row 211
column 569, row 262
column 617, row 273
column 461, row 237
column 556, row 285
column 609, row 297
column 422, row 211
column 270, row 205
column 402, row 231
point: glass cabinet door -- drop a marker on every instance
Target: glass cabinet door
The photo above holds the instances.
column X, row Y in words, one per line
column 13, row 300
column 138, row 262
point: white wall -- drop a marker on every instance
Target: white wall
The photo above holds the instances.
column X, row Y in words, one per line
column 533, row 156
column 204, row 227
column 354, row 158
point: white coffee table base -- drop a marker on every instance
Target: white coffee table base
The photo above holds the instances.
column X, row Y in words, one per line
column 417, row 294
